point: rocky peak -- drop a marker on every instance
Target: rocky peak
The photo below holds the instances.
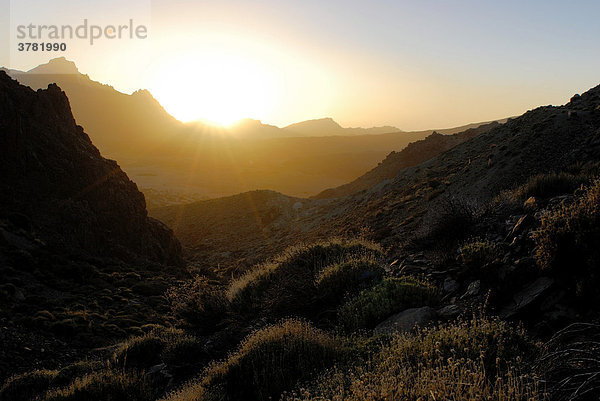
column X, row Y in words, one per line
column 59, row 65
column 74, row 198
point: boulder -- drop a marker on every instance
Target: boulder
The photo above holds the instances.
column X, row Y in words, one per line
column 450, row 285
column 449, row 311
column 472, row 290
column 522, row 224
column 527, row 296
column 406, row 320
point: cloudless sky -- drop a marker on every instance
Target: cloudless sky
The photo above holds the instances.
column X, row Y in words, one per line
column 412, row 64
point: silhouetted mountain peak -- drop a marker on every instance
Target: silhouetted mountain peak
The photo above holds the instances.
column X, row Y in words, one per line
column 54, row 175
column 58, row 65
column 321, row 124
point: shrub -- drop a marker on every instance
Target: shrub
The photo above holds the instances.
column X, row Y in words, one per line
column 392, row 295
column 201, row 304
column 272, row 360
column 347, row 278
column 462, row 361
column 27, row 386
column 139, row 352
column 452, row 222
column 478, row 253
column 184, row 352
column 286, row 286
column 549, row 185
column 567, row 243
column 107, row 385
column 78, row 369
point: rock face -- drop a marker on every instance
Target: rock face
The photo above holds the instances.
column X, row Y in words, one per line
column 57, row 181
column 407, row 320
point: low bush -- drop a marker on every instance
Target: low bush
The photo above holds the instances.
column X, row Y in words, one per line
column 478, row 253
column 139, row 352
column 548, row 185
column 375, row 304
column 184, row 353
column 266, row 363
column 199, row 303
column 452, row 222
column 27, row 386
column 286, row 286
column 567, row 243
column 347, row 278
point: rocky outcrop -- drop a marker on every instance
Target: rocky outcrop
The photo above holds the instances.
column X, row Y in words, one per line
column 57, row 181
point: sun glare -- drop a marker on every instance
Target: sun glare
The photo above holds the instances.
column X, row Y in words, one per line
column 214, row 85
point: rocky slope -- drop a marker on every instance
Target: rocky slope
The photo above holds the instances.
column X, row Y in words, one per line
column 415, row 153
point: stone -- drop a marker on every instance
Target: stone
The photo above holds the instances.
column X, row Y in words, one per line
column 472, row 290
column 19, row 296
column 450, row 285
column 524, row 223
column 527, row 296
column 531, row 204
column 157, row 368
column 449, row 311
column 406, row 320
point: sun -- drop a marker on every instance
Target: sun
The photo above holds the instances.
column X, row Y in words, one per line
column 214, row 85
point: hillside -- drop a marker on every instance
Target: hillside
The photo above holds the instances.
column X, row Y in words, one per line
column 74, row 232
column 415, row 153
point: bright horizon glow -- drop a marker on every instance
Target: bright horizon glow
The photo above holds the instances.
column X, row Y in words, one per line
column 213, row 86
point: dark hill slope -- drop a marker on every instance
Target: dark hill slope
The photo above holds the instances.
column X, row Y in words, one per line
column 415, row 153
column 54, row 175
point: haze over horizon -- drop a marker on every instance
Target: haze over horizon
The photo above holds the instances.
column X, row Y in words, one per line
column 413, row 66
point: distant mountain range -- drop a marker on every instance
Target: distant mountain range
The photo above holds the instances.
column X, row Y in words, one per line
column 66, row 74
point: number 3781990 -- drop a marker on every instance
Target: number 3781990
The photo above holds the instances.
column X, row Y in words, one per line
column 41, row 47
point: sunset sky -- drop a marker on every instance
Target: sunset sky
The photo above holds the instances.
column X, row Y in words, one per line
column 412, row 64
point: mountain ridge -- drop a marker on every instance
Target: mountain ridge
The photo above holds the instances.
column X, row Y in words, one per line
column 37, row 126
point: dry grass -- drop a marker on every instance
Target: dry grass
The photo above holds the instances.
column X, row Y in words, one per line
column 106, row 385
column 571, row 363
column 478, row 360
